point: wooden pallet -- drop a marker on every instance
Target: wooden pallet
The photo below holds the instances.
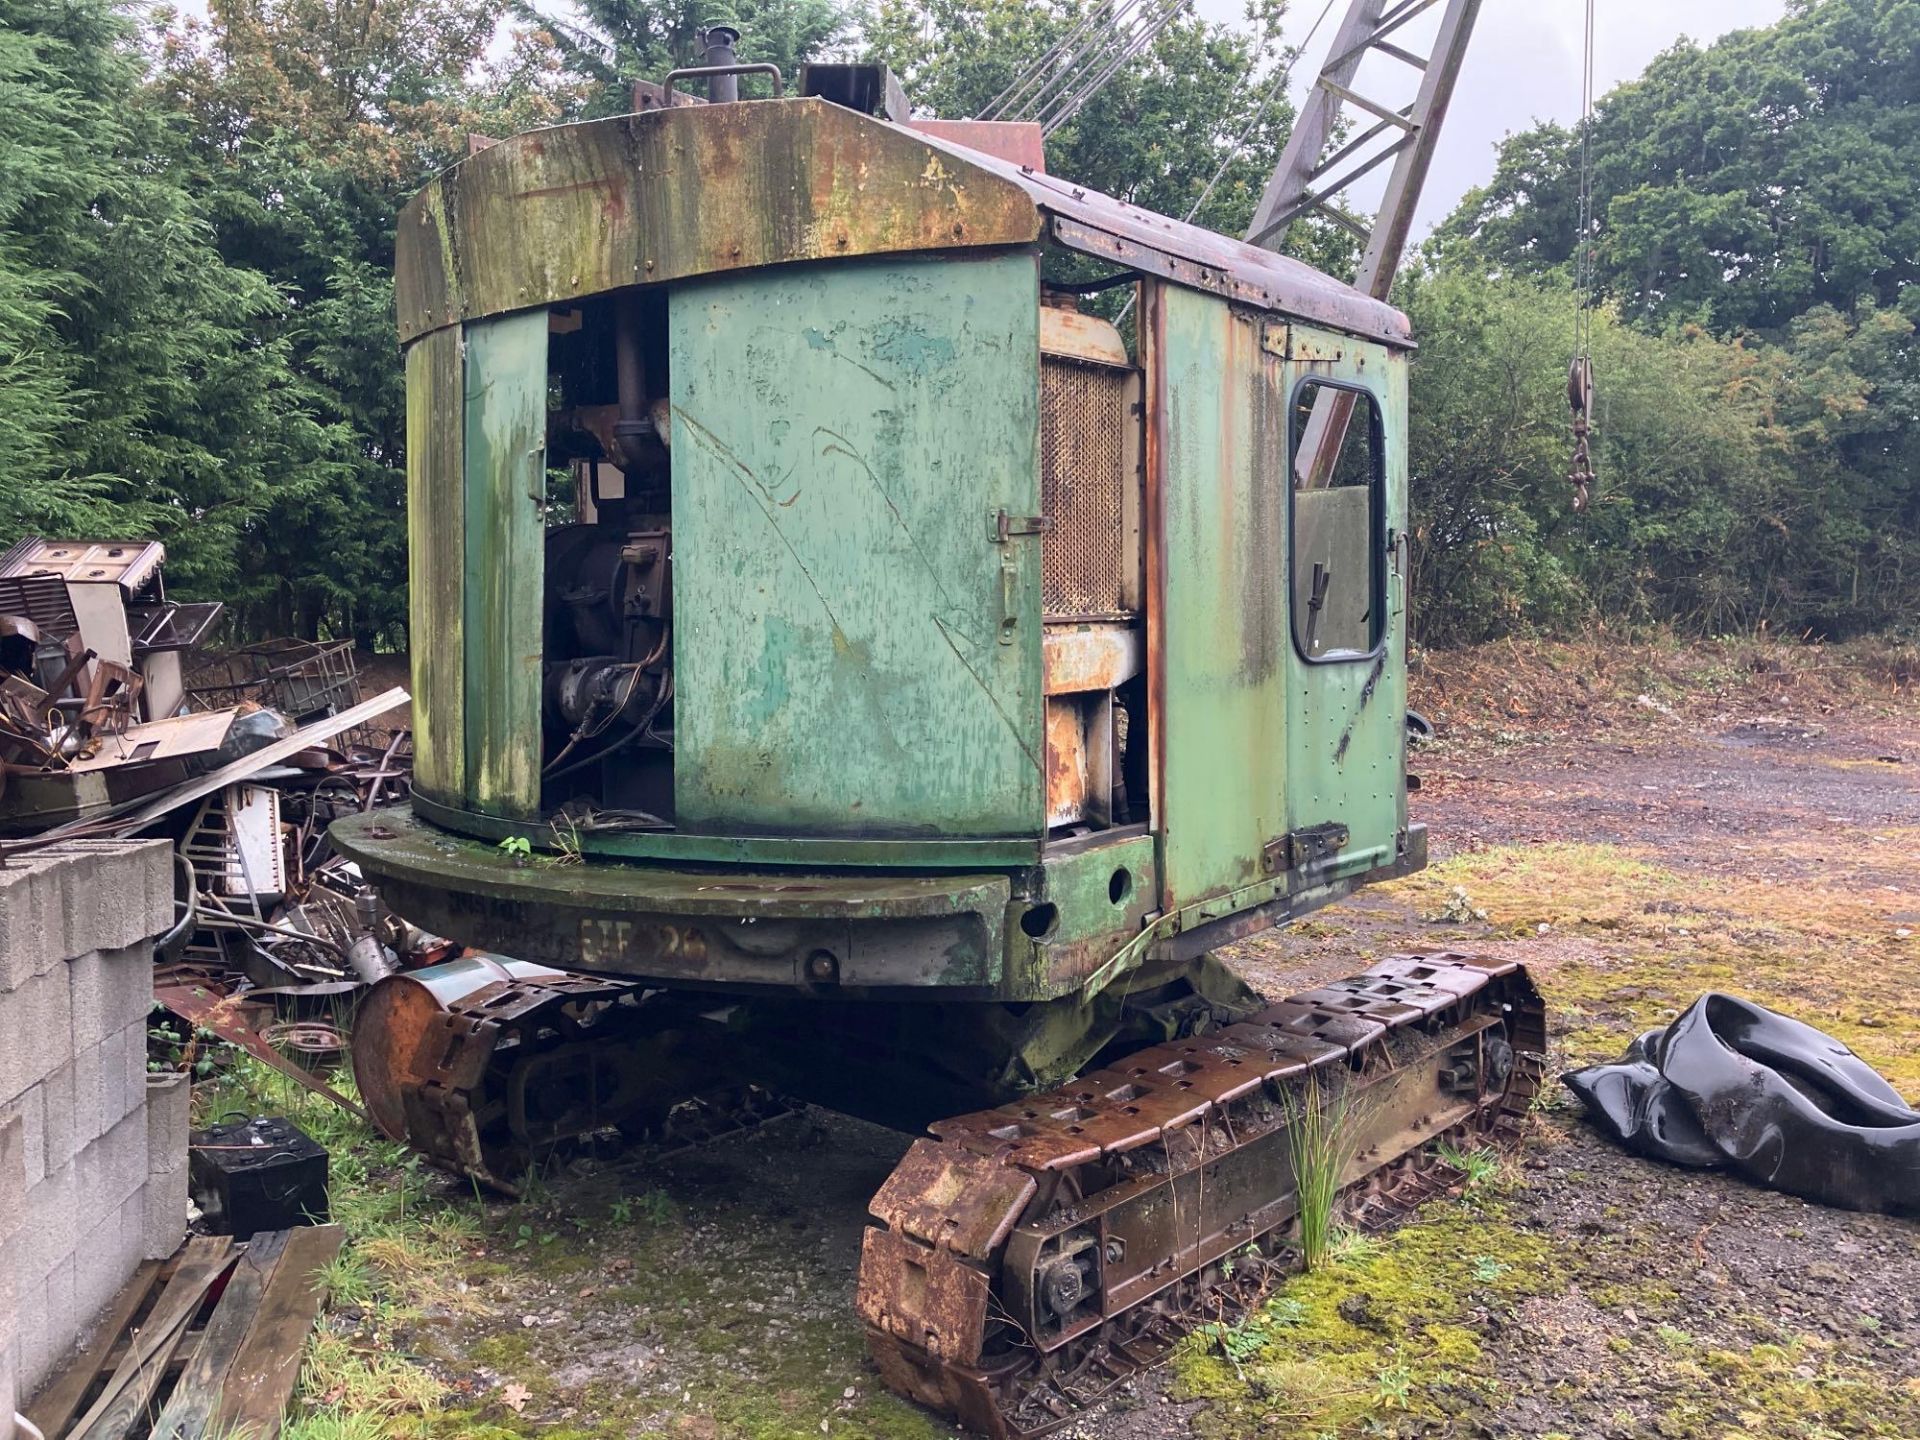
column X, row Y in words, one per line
column 208, row 1343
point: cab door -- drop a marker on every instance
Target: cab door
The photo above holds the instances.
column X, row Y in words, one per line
column 1336, row 407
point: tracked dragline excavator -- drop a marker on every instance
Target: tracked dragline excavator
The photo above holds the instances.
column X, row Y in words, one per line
column 918, row 682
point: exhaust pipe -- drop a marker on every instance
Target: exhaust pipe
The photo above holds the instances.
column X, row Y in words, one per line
column 719, row 42
column 630, row 376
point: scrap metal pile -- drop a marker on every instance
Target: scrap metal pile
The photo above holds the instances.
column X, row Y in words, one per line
column 116, row 720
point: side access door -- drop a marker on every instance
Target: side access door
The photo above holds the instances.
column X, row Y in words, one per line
column 1337, row 407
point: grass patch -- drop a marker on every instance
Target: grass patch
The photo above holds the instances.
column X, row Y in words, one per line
column 1384, row 1330
column 407, row 1248
column 1643, row 940
column 1320, row 1143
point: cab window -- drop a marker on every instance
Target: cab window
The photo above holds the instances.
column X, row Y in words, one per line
column 1338, row 471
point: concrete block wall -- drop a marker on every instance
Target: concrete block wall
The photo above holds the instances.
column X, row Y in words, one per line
column 93, row 1151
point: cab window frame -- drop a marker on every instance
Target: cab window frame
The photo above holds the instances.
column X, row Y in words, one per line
column 1377, row 524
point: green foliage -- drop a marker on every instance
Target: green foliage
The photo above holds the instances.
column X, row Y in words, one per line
column 196, row 252
column 1159, row 130
column 1744, row 484
column 142, row 388
column 1479, row 1165
column 1756, row 243
column 307, row 124
column 623, row 40
column 1737, row 185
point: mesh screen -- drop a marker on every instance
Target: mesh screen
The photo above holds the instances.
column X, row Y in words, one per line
column 1083, row 415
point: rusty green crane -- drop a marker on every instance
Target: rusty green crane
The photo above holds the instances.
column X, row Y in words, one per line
column 870, row 674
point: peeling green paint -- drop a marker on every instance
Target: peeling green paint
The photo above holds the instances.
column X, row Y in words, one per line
column 840, row 441
column 505, row 566
column 1223, row 549
column 1346, row 733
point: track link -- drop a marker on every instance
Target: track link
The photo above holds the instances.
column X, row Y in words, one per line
column 485, row 1066
column 1031, row 1257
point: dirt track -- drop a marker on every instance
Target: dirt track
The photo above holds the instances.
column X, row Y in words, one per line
column 1575, row 1292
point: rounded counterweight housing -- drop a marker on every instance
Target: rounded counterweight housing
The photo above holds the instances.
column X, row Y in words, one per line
column 834, row 601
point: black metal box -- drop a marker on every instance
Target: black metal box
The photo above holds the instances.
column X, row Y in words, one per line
column 254, row 1175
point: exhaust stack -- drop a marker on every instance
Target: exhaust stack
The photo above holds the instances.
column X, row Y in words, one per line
column 719, row 42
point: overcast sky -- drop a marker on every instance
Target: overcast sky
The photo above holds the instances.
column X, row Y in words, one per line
column 1523, row 64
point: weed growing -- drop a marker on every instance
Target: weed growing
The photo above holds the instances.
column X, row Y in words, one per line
column 1320, row 1145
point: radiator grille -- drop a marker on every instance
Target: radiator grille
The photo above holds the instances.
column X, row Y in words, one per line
column 1083, row 419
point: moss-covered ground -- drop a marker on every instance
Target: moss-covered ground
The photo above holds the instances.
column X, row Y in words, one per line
column 1753, row 825
column 609, row 1303
column 1633, row 859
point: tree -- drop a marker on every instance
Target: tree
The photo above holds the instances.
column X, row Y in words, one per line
column 1155, row 135
column 308, row 124
column 137, row 393
column 1756, row 217
column 1742, row 484
column 618, row 41
column 1738, row 184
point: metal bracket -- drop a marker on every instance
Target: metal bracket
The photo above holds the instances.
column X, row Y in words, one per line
column 1301, row 849
column 1002, row 527
column 708, row 72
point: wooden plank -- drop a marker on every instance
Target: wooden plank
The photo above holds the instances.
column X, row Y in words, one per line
column 506, row 477
column 189, row 1410
column 261, row 1378
column 182, row 1356
column 132, row 1384
column 436, row 560
column 57, row 1403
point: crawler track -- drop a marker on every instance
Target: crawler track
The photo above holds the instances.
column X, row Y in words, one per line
column 1031, row 1257
column 485, row 1066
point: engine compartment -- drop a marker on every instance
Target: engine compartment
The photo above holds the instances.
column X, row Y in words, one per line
column 607, row 687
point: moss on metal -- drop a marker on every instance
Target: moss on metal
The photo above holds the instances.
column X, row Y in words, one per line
column 556, row 214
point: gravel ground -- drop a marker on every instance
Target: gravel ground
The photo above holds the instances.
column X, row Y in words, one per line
column 1633, row 866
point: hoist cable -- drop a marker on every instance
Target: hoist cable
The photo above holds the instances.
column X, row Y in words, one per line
column 1059, row 62
column 1149, row 31
column 1016, row 88
column 1280, row 81
column 1079, row 81
column 1585, row 275
column 1584, row 264
column 1113, row 39
column 1072, row 71
column 1282, row 76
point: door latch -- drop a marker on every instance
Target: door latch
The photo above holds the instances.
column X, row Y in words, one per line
column 1001, row 526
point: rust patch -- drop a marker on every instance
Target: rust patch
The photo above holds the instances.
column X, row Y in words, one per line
column 1374, row 672
column 950, row 1198
column 1084, row 658
column 1153, row 335
column 668, row 194
column 1066, row 763
column 1018, row 142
